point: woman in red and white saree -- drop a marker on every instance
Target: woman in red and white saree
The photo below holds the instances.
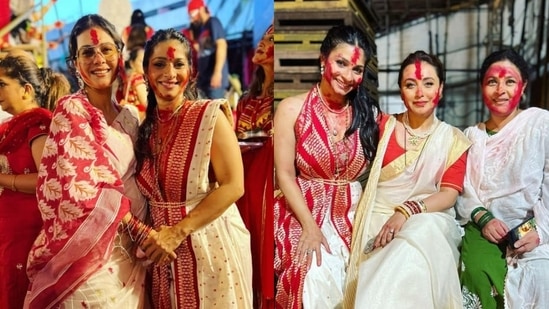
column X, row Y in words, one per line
column 190, row 171
column 82, row 257
column 324, row 140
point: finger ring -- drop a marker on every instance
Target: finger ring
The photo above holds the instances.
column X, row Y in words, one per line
column 391, row 231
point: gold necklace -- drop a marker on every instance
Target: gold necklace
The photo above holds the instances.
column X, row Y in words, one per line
column 415, row 138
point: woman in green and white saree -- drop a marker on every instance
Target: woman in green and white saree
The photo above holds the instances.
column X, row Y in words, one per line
column 506, row 185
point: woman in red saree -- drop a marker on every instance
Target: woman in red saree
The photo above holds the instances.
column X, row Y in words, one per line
column 254, row 129
column 324, row 140
column 29, row 94
column 190, row 171
column 84, row 255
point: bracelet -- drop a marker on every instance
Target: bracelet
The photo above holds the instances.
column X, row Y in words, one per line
column 137, row 230
column 476, row 211
column 403, row 211
column 13, row 188
column 412, row 207
column 423, row 206
column 486, row 217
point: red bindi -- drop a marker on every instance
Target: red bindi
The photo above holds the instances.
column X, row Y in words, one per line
column 418, row 70
column 170, row 53
column 94, row 36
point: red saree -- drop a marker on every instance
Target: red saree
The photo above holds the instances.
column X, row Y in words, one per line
column 256, row 206
column 20, row 220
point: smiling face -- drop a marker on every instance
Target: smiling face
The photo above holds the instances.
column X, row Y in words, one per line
column 420, row 88
column 168, row 71
column 502, row 88
column 97, row 58
column 344, row 68
column 264, row 53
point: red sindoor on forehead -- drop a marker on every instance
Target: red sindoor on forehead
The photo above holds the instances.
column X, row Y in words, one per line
column 356, row 55
column 94, row 36
column 170, row 53
column 418, row 70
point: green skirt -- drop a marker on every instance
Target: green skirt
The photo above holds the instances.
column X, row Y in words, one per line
column 483, row 270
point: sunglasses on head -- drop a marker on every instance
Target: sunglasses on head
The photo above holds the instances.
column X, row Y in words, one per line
column 87, row 53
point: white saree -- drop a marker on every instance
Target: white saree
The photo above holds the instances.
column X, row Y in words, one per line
column 508, row 173
column 418, row 269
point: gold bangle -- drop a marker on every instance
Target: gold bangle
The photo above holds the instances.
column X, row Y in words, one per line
column 13, row 188
column 423, row 206
column 402, row 211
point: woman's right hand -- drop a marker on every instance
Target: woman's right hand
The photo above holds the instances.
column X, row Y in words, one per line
column 495, row 231
column 309, row 243
column 157, row 249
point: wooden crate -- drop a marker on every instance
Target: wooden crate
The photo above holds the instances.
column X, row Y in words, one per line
column 299, row 40
column 290, row 61
column 310, row 4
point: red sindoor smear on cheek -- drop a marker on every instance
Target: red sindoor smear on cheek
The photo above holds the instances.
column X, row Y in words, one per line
column 84, row 75
column 328, row 72
column 94, row 36
column 270, row 52
column 436, row 99
column 418, row 70
column 170, row 53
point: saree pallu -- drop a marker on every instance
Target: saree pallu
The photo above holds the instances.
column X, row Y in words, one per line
column 85, row 186
column 418, row 268
column 329, row 197
column 213, row 268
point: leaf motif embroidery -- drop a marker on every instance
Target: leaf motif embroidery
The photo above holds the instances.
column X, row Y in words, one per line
column 65, row 167
column 47, row 212
column 75, row 107
column 59, row 124
column 82, row 190
column 50, row 148
column 68, row 211
column 102, row 173
column 58, row 232
column 80, row 148
column 52, row 189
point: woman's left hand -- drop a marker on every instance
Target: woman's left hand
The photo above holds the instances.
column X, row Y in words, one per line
column 389, row 230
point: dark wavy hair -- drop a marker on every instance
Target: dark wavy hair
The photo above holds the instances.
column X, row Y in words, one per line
column 142, row 147
column 84, row 23
column 48, row 85
column 365, row 109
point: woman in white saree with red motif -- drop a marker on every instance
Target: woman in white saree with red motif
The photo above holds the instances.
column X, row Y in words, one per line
column 86, row 186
